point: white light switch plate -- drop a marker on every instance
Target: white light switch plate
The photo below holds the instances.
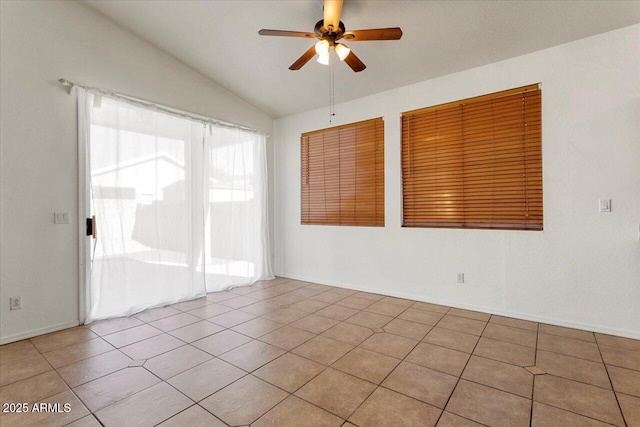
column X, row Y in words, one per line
column 61, row 217
column 605, row 205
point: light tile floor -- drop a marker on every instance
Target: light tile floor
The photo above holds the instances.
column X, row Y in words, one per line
column 291, row 353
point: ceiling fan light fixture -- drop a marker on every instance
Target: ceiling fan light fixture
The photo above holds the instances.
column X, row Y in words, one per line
column 322, row 48
column 342, row 50
column 323, row 59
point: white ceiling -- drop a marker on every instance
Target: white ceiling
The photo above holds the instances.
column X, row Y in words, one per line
column 220, row 39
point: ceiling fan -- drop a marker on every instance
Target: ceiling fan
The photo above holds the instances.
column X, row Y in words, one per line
column 329, row 30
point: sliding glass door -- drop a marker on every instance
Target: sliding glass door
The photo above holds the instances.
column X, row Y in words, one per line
column 175, row 206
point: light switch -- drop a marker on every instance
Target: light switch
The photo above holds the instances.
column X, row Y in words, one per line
column 605, row 205
column 61, row 217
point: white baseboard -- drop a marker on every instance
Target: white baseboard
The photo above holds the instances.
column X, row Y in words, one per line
column 552, row 321
column 35, row 332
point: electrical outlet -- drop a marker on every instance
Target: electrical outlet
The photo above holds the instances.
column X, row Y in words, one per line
column 460, row 277
column 15, row 303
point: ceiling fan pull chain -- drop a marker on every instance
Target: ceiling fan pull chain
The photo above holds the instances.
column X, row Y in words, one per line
column 332, row 96
column 333, row 88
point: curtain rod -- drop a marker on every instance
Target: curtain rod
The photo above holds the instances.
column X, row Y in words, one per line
column 162, row 108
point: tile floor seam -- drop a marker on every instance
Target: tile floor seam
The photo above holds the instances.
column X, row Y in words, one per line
column 573, row 412
column 430, row 311
column 613, row 390
column 190, row 367
column 619, row 366
column 466, row 418
column 509, row 342
column 333, row 413
column 275, row 385
column 164, row 352
column 209, row 412
column 514, row 326
column 30, row 376
column 259, row 379
column 69, row 388
column 118, row 400
column 233, row 326
column 252, row 338
column 307, row 358
column 199, row 406
column 578, row 357
column 85, row 358
column 134, row 342
column 470, row 318
column 455, row 330
column 114, row 332
column 460, row 332
column 419, row 341
column 496, row 388
column 402, row 394
column 308, row 381
column 222, row 388
column 565, row 336
column 170, row 385
column 576, row 381
column 93, row 379
column 307, row 401
column 387, row 376
column 453, row 390
column 327, row 367
column 305, row 341
column 488, row 358
column 533, row 382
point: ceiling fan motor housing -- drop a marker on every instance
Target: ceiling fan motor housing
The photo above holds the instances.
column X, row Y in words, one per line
column 329, row 34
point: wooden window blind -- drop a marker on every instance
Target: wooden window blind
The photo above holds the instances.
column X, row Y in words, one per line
column 343, row 175
column 475, row 163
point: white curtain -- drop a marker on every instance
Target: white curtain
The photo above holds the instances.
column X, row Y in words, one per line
column 236, row 222
column 180, row 206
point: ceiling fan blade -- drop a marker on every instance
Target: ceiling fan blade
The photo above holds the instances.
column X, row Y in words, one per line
column 354, row 62
column 373, row 34
column 284, row 33
column 332, row 11
column 303, row 59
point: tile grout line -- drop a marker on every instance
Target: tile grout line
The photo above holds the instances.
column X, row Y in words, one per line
column 462, row 372
column 624, row 419
column 390, row 372
column 328, row 366
column 66, row 383
column 274, row 385
column 251, row 372
column 533, row 382
column 575, row 413
column 582, row 358
column 186, row 409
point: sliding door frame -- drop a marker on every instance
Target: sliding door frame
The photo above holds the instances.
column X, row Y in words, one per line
column 84, row 210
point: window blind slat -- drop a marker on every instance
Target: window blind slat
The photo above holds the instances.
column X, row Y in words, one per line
column 476, row 163
column 342, row 175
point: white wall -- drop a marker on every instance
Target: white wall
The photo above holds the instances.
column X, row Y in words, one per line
column 41, row 41
column 583, row 270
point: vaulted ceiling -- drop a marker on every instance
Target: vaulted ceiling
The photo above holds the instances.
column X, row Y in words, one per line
column 220, row 40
